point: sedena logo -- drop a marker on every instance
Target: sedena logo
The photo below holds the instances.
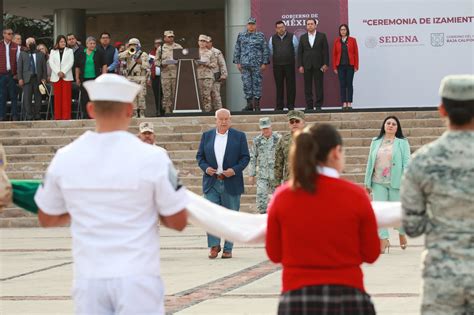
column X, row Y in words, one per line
column 371, row 42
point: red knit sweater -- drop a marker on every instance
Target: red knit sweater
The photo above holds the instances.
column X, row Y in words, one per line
column 322, row 238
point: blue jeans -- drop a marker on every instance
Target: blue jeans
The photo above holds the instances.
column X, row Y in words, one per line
column 346, row 76
column 219, row 196
column 8, row 88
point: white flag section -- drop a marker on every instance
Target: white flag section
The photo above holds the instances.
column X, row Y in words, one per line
column 250, row 228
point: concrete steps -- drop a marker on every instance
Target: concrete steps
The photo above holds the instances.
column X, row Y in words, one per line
column 30, row 146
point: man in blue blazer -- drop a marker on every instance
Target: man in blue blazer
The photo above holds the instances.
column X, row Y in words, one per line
column 223, row 155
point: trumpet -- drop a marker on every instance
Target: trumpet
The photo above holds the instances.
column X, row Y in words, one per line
column 132, row 51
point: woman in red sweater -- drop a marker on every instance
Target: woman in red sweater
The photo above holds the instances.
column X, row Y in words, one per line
column 345, row 54
column 321, row 265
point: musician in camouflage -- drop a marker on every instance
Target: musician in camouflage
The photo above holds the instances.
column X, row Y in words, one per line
column 205, row 72
column 262, row 162
column 295, row 122
column 137, row 70
column 437, row 196
column 168, row 70
column 220, row 75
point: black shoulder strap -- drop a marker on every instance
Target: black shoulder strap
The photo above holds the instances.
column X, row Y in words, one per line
column 135, row 63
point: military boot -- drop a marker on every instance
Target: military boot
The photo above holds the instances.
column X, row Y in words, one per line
column 141, row 113
column 249, row 106
column 256, row 104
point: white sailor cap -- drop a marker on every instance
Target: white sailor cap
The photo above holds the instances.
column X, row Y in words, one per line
column 112, row 87
column 457, row 87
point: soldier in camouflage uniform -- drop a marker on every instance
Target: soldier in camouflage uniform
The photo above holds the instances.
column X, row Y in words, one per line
column 137, row 70
column 220, row 75
column 437, row 196
column 251, row 55
column 168, row 70
column 281, row 172
column 205, row 72
column 262, row 162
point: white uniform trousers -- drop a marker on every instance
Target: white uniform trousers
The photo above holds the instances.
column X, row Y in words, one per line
column 127, row 295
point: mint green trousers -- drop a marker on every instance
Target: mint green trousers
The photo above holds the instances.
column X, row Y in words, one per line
column 383, row 192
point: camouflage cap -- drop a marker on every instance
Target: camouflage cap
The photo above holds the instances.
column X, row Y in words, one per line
column 264, row 122
column 169, row 33
column 252, row 20
column 295, row 114
column 457, row 87
column 146, row 127
column 134, row 41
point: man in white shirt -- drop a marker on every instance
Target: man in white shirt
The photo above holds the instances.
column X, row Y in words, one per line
column 313, row 61
column 223, row 155
column 112, row 188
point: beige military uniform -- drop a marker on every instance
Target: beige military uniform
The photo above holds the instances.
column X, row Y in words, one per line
column 216, row 88
column 5, row 186
column 168, row 75
column 205, row 74
column 140, row 74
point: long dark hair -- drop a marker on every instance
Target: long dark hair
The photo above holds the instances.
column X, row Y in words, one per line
column 311, row 147
column 398, row 134
column 347, row 28
column 58, row 39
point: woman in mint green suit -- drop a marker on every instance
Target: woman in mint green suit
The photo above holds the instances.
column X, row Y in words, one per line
column 388, row 158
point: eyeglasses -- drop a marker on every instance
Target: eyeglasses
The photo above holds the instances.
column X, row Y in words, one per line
column 294, row 121
column 157, row 43
column 9, row 33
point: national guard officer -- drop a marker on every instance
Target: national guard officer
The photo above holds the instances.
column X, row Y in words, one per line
column 114, row 198
column 262, row 162
column 437, row 196
column 205, row 72
column 282, row 172
column 168, row 70
column 137, row 70
column 252, row 55
column 220, row 75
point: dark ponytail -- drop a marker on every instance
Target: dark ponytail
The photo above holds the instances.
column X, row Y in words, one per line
column 310, row 148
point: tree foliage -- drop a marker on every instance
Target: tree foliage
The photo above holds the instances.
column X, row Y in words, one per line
column 41, row 29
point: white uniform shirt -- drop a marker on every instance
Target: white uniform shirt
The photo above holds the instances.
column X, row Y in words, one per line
column 220, row 143
column 114, row 187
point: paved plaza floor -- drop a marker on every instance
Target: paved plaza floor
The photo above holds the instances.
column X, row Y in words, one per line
column 36, row 275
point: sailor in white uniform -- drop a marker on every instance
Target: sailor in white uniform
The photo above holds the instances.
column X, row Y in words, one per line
column 113, row 188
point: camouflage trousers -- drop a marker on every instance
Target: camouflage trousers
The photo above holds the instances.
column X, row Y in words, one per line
column 168, row 88
column 216, row 100
column 448, row 295
column 140, row 101
column 264, row 189
column 252, row 79
column 205, row 89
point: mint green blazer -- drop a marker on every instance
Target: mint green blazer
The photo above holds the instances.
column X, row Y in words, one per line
column 400, row 160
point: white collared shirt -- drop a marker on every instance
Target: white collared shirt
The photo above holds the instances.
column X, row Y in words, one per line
column 7, row 49
column 311, row 38
column 220, row 143
column 328, row 171
column 114, row 187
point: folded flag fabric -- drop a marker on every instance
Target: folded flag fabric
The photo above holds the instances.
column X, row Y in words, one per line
column 240, row 227
column 24, row 194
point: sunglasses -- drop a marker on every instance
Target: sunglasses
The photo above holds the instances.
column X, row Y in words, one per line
column 294, row 121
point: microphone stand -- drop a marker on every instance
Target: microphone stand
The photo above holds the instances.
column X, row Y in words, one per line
column 159, row 85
